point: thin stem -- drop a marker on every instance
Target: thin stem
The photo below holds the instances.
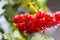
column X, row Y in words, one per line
column 31, row 6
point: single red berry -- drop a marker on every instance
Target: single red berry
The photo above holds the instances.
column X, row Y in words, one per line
column 43, row 22
column 17, row 18
column 32, row 20
column 57, row 16
column 53, row 22
column 27, row 17
column 48, row 17
column 47, row 25
column 39, row 14
column 21, row 26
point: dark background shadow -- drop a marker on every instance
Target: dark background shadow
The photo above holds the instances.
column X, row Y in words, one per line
column 54, row 5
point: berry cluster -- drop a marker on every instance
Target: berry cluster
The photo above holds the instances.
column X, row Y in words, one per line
column 37, row 22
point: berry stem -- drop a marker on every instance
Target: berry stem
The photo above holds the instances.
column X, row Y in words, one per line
column 31, row 6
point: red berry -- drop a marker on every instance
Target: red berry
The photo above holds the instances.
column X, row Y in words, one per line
column 27, row 17
column 43, row 22
column 48, row 17
column 21, row 26
column 39, row 14
column 53, row 22
column 57, row 16
column 17, row 18
column 29, row 29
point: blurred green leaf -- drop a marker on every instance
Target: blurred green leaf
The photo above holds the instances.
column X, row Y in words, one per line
column 13, row 36
column 18, row 36
column 10, row 12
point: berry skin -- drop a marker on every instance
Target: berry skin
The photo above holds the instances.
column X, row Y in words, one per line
column 27, row 17
column 17, row 18
column 57, row 16
column 39, row 14
column 43, row 22
column 21, row 26
column 53, row 23
column 48, row 17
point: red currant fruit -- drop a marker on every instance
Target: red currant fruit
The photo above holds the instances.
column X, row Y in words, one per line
column 21, row 26
column 39, row 14
column 48, row 17
column 57, row 16
column 17, row 18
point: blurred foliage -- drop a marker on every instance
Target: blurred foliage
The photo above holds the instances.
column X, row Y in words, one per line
column 1, row 30
column 13, row 36
column 10, row 12
column 13, row 5
column 13, row 8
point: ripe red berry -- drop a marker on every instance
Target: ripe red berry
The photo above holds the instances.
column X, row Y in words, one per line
column 17, row 18
column 57, row 16
column 21, row 26
column 27, row 17
column 42, row 22
column 53, row 22
column 48, row 17
column 39, row 14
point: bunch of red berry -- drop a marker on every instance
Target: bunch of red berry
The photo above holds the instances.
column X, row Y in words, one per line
column 34, row 23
